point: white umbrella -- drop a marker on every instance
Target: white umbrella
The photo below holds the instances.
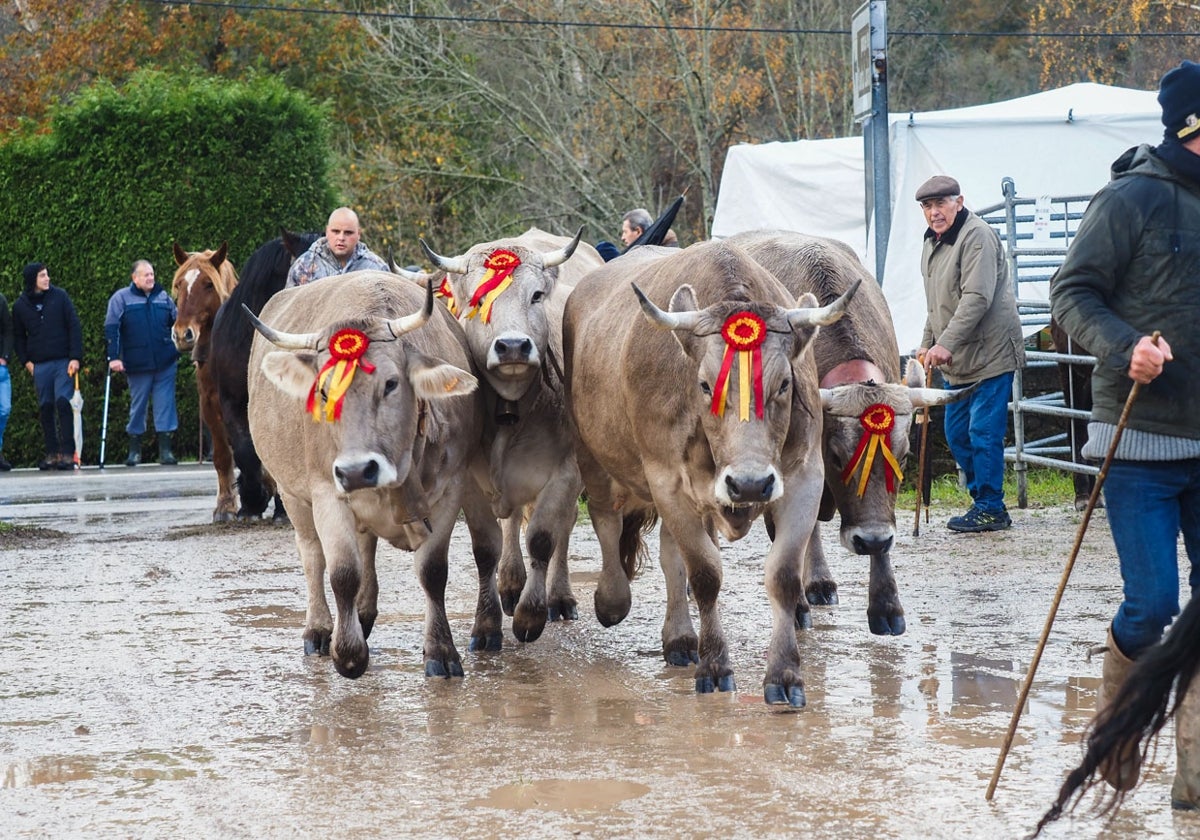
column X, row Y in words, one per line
column 77, row 408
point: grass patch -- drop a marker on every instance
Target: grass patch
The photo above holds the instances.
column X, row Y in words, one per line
column 1044, row 487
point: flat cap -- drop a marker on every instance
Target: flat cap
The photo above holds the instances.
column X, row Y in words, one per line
column 938, row 186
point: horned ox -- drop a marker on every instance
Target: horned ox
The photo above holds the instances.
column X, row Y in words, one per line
column 706, row 412
column 509, row 295
column 390, row 458
column 867, row 411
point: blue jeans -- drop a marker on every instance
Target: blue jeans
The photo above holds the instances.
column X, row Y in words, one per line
column 54, row 391
column 5, row 401
column 975, row 429
column 155, row 388
column 1149, row 503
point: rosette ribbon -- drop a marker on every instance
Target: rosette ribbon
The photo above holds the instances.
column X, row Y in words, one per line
column 346, row 350
column 877, row 422
column 743, row 333
column 500, row 265
column 447, row 295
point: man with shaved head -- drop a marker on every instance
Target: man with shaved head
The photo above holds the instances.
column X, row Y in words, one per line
column 339, row 251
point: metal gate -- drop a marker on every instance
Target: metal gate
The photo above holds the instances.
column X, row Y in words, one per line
column 1036, row 233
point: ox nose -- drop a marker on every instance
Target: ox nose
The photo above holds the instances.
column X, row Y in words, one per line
column 871, row 545
column 746, row 491
column 512, row 349
column 357, row 476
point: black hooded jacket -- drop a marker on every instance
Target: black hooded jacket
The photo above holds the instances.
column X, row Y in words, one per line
column 45, row 325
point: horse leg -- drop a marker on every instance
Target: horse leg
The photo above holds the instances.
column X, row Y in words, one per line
column 210, row 412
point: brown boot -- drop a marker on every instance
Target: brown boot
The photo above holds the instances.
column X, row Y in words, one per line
column 1185, row 793
column 1120, row 771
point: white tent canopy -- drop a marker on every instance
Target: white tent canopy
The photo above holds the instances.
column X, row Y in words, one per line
column 1059, row 142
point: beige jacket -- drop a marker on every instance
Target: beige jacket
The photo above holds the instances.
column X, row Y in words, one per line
column 970, row 306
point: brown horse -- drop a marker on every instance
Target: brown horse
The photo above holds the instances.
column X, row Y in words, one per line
column 202, row 283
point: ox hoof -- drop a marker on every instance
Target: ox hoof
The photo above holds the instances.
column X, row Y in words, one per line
column 566, row 611
column 681, row 658
column 491, row 641
column 508, row 603
column 883, row 625
column 780, row 695
column 437, row 668
column 528, row 630
column 355, row 667
column 822, row 593
column 220, row 516
column 319, row 647
column 803, row 618
column 707, row 685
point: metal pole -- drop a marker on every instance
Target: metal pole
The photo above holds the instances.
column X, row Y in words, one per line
column 104, row 422
column 921, row 458
column 1062, row 584
column 880, row 160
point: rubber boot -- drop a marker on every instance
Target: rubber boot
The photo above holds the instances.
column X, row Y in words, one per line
column 1120, row 771
column 135, row 451
column 1185, row 792
column 165, row 455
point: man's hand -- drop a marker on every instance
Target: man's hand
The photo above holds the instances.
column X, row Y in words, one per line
column 1148, row 359
column 29, row 367
column 937, row 355
column 116, row 366
column 72, row 367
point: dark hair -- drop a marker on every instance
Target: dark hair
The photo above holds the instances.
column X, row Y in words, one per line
column 31, row 272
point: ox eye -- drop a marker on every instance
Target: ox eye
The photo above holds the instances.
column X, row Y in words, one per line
column 706, row 388
column 783, row 387
column 391, row 385
column 537, row 297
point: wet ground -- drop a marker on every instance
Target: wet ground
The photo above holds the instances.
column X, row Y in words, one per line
column 153, row 684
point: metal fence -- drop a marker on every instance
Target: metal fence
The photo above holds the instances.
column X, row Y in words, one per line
column 1036, row 233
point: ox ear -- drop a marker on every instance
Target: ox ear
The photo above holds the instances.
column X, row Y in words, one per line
column 290, row 372
column 433, row 379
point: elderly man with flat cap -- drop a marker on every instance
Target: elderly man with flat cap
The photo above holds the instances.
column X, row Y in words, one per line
column 973, row 334
column 1133, row 268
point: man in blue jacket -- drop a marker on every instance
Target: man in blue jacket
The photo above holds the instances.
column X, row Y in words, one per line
column 137, row 328
column 49, row 341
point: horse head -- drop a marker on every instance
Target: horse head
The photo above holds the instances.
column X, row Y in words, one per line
column 202, row 282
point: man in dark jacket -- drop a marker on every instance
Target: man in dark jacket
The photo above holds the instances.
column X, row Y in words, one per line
column 6, row 351
column 1133, row 269
column 49, row 340
column 137, row 328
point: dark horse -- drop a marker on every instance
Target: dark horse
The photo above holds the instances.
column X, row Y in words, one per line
column 264, row 274
column 1141, row 707
column 1076, row 382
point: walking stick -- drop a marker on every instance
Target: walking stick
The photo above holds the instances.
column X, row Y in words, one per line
column 1062, row 584
column 104, row 422
column 921, row 460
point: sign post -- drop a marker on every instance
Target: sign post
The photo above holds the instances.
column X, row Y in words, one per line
column 869, row 75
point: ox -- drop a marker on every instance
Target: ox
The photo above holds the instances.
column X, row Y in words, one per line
column 384, row 375
column 858, row 363
column 509, row 295
column 263, row 274
column 203, row 281
column 705, row 411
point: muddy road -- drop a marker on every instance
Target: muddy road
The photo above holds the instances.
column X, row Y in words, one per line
column 153, row 684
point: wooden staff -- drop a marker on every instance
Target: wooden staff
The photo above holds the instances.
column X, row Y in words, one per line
column 921, row 459
column 1062, row 584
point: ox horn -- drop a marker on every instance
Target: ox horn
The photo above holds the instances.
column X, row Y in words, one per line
column 282, row 340
column 454, row 265
column 557, row 257
column 825, row 315
column 408, row 323
column 667, row 320
column 412, row 276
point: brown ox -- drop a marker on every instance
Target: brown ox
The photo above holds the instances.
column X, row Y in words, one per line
column 376, row 445
column 203, row 281
column 858, row 363
column 646, row 375
column 516, row 345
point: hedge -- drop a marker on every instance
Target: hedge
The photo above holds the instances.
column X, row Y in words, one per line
column 120, row 175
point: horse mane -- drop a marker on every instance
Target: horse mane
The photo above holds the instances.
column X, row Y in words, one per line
column 224, row 278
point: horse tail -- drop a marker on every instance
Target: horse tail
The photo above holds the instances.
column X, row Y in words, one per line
column 1140, row 709
column 631, row 547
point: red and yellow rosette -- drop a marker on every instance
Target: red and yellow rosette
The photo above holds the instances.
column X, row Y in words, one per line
column 346, row 350
column 877, row 422
column 744, row 333
column 447, row 295
column 500, row 265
